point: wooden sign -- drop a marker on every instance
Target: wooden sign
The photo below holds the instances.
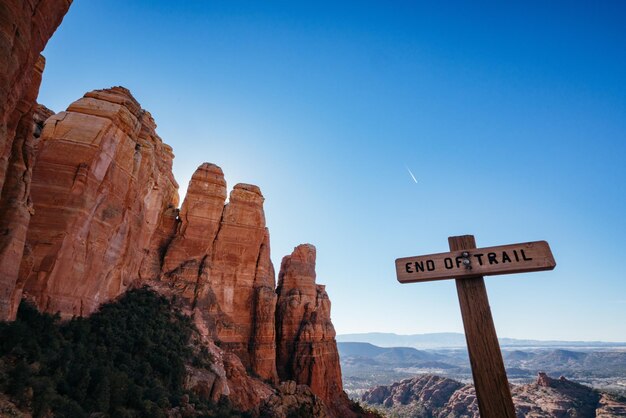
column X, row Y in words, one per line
column 489, row 261
column 467, row 264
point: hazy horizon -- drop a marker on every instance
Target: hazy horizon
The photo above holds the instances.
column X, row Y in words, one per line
column 511, row 118
column 501, row 337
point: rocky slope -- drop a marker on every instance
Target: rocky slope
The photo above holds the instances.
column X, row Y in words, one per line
column 25, row 27
column 434, row 396
column 106, row 220
column 136, row 356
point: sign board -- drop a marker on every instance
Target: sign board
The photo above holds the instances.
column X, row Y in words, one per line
column 488, row 261
column 468, row 264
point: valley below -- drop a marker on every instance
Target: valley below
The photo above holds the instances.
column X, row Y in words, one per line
column 364, row 365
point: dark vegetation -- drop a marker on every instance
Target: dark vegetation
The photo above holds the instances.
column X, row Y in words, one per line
column 126, row 360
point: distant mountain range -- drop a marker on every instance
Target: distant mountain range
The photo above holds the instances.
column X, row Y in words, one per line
column 557, row 361
column 387, row 354
column 457, row 340
column 364, row 365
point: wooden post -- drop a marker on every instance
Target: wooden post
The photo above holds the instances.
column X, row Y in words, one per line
column 492, row 386
column 467, row 265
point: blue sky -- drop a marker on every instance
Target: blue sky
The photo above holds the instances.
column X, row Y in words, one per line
column 512, row 118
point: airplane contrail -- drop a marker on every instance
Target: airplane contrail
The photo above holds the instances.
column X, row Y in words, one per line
column 411, row 173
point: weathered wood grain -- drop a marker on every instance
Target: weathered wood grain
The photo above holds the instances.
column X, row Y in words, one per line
column 488, row 261
column 490, row 381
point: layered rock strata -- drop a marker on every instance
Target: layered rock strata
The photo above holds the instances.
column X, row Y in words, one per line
column 103, row 195
column 240, row 268
column 225, row 276
column 25, row 27
column 306, row 347
column 103, row 204
column 106, row 219
column 16, row 205
column 196, row 230
column 219, row 262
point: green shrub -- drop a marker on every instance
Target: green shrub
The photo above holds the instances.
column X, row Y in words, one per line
column 126, row 360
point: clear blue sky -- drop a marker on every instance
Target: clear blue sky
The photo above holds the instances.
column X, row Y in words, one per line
column 512, row 118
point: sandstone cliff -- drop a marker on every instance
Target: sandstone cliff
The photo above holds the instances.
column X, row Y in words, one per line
column 103, row 196
column 226, row 279
column 105, row 220
column 219, row 263
column 306, row 347
column 25, row 27
column 89, row 209
column 433, row 396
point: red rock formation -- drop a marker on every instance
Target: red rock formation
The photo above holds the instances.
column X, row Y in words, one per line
column 610, row 406
column 232, row 270
column 15, row 204
column 40, row 116
column 200, row 218
column 431, row 392
column 106, row 219
column 226, row 376
column 293, row 400
column 245, row 393
column 297, row 293
column 219, row 262
column 432, row 396
column 103, row 217
column 263, row 340
column 226, row 276
column 25, row 27
column 241, row 274
column 102, row 188
column 550, row 397
column 306, row 347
